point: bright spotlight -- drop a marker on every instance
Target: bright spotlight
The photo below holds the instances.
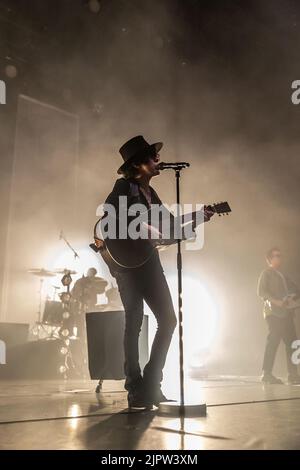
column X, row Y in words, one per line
column 200, row 322
column 64, row 258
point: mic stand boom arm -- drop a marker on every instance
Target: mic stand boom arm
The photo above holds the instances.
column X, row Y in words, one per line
column 62, row 237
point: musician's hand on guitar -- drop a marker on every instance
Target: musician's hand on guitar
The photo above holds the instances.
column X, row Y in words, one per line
column 99, row 243
column 279, row 303
column 208, row 213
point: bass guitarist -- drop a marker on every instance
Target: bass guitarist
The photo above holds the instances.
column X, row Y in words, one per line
column 278, row 292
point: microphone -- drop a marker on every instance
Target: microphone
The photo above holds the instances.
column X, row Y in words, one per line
column 172, row 166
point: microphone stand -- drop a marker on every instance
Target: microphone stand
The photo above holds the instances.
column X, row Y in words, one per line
column 62, row 237
column 180, row 408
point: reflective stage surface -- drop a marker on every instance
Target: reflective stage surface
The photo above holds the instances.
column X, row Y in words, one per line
column 241, row 414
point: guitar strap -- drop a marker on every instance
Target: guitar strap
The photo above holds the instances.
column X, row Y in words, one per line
column 283, row 281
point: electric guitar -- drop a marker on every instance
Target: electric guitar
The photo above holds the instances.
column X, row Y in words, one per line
column 133, row 253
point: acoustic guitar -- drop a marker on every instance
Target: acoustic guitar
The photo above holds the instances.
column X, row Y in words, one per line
column 133, row 253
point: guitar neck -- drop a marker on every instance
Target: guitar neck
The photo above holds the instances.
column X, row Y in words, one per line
column 190, row 217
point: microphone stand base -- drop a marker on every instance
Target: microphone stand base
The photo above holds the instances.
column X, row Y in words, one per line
column 174, row 408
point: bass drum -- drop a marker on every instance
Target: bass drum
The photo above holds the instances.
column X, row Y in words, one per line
column 53, row 313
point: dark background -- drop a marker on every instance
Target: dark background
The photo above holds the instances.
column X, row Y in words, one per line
column 212, row 80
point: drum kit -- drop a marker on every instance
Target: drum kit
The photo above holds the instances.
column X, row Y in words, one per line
column 62, row 316
column 47, row 323
column 50, row 315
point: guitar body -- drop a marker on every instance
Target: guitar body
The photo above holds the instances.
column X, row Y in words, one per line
column 126, row 253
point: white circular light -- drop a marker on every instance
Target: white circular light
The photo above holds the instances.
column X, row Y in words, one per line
column 200, row 321
column 94, row 6
column 11, row 71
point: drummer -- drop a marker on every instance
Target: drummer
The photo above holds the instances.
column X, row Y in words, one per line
column 87, row 288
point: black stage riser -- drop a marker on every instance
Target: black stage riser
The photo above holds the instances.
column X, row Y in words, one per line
column 41, row 360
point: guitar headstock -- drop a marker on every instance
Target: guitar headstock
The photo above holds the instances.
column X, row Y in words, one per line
column 221, row 208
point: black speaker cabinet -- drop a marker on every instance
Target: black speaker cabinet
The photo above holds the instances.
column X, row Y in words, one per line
column 33, row 360
column 42, row 360
column 105, row 331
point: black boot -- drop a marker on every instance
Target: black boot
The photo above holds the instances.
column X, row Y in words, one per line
column 137, row 399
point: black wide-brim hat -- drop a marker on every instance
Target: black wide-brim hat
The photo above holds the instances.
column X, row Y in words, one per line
column 135, row 150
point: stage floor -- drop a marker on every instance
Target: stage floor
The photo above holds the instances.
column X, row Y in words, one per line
column 241, row 414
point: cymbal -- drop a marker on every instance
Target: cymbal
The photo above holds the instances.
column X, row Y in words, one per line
column 41, row 272
column 64, row 271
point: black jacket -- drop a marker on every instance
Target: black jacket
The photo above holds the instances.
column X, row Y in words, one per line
column 271, row 285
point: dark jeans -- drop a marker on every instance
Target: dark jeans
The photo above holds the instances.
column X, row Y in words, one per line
column 280, row 329
column 147, row 283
